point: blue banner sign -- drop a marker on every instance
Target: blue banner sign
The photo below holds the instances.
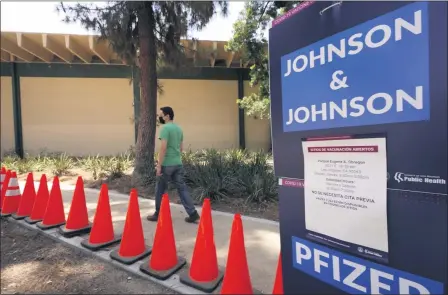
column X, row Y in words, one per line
column 373, row 73
column 354, row 275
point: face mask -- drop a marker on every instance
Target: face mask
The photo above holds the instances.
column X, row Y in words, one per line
column 161, row 120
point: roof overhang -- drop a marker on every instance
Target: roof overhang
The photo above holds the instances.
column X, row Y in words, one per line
column 88, row 49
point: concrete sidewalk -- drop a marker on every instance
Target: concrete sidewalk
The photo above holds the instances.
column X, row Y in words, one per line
column 262, row 237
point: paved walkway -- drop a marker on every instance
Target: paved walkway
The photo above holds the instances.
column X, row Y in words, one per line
column 261, row 236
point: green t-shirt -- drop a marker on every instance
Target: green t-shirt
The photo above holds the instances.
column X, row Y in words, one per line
column 174, row 136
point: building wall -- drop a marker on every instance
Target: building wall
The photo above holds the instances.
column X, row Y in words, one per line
column 78, row 116
column 258, row 132
column 7, row 122
column 82, row 116
column 205, row 109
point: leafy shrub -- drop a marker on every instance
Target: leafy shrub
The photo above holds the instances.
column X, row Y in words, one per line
column 12, row 162
column 231, row 173
column 24, row 166
column 116, row 166
column 95, row 165
column 211, row 173
column 41, row 163
column 257, row 178
column 61, row 164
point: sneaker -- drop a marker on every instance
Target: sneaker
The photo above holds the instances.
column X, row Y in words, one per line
column 192, row 218
column 153, row 217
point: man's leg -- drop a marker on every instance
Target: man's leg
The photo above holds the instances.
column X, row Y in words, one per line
column 161, row 185
column 184, row 195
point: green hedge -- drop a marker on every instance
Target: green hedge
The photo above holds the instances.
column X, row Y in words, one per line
column 209, row 173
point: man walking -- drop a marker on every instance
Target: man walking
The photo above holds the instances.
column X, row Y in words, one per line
column 169, row 165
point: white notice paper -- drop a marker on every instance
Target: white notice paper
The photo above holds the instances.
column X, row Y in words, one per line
column 346, row 192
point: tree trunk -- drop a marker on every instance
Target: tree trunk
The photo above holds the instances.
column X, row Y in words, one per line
column 144, row 171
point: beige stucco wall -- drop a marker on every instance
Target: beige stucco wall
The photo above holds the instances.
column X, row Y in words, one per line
column 7, row 122
column 257, row 130
column 205, row 109
column 83, row 116
column 77, row 116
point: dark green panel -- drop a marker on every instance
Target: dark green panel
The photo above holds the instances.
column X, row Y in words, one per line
column 200, row 73
column 17, row 109
column 74, row 70
column 5, row 69
column 119, row 71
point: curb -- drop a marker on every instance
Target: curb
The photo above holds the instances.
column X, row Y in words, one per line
column 172, row 283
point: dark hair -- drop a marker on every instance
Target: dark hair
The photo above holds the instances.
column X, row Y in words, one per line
column 168, row 111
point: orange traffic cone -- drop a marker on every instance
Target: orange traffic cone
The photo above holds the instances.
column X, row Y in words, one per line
column 12, row 196
column 132, row 247
column 102, row 233
column 2, row 180
column 204, row 274
column 40, row 204
column 4, row 187
column 27, row 200
column 54, row 214
column 237, row 277
column 78, row 218
column 278, row 284
column 164, row 261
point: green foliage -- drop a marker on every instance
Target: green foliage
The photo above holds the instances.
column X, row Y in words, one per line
column 145, row 34
column 118, row 22
column 230, row 174
column 61, row 164
column 249, row 38
column 116, row 167
column 28, row 164
column 109, row 166
column 94, row 165
column 19, row 165
column 209, row 173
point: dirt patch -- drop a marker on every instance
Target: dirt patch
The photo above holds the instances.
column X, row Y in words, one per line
column 268, row 210
column 34, row 264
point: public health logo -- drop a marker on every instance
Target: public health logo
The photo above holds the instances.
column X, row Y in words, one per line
column 399, row 177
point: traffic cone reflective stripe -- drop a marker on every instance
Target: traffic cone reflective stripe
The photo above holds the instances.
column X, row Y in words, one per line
column 27, row 200
column 2, row 180
column 13, row 188
column 2, row 177
column 12, row 196
column 4, row 187
column 132, row 246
